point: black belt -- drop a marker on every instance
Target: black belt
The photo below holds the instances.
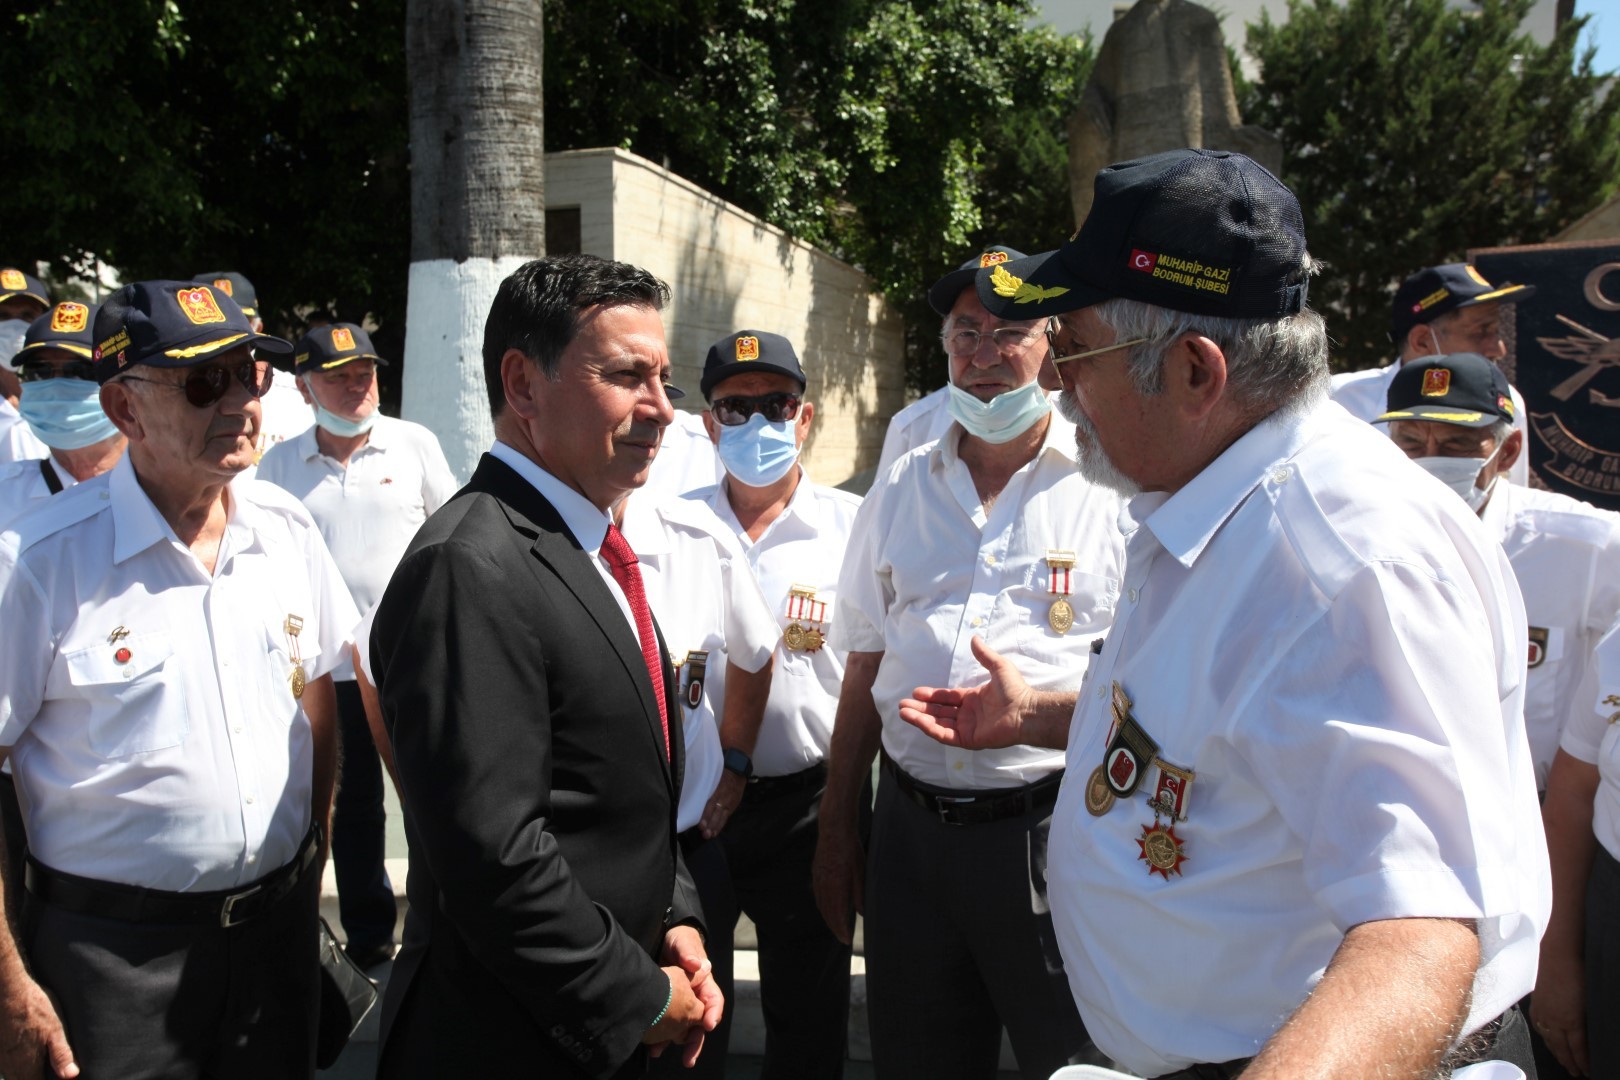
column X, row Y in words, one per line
column 976, row 807
column 132, row 903
column 764, row 787
column 1224, row 1071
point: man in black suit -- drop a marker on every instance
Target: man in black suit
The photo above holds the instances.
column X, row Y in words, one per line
column 528, row 701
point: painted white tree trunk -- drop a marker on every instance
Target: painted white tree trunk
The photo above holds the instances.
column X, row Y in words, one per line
column 477, row 200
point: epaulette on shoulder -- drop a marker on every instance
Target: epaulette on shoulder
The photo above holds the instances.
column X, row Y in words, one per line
column 48, row 517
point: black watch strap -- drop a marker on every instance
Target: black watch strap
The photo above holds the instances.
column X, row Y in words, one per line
column 738, row 762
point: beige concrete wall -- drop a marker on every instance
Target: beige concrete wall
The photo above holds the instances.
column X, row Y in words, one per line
column 729, row 270
column 1602, row 223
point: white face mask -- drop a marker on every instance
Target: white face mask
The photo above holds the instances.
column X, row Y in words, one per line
column 1004, row 417
column 1461, row 474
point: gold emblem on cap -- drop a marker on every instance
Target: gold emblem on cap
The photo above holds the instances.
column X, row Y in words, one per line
column 342, row 339
column 1003, row 283
column 1436, row 382
column 223, row 284
column 991, row 258
column 69, row 318
column 12, row 279
column 199, row 305
column 748, row 348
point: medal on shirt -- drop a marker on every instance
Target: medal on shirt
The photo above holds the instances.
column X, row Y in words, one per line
column 1162, row 849
column 1059, row 564
column 693, row 669
column 295, row 678
column 1130, row 749
column 803, row 607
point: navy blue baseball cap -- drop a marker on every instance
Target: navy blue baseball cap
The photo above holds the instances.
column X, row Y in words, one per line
column 65, row 326
column 749, row 350
column 1437, row 290
column 236, row 286
column 327, row 348
column 942, row 294
column 17, row 282
column 1464, row 389
column 170, row 324
column 1208, row 232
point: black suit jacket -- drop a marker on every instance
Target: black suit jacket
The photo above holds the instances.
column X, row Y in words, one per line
column 539, row 801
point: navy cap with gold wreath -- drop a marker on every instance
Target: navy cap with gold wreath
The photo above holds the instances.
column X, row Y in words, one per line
column 942, row 294
column 236, row 286
column 16, row 282
column 327, row 348
column 170, row 324
column 1208, row 232
column 1437, row 290
column 1464, row 389
column 66, row 326
column 749, row 350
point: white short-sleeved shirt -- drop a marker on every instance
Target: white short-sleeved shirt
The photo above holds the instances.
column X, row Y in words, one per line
column 686, row 461
column 928, row 569
column 1335, row 648
column 704, row 597
column 918, row 424
column 1593, row 736
column 22, row 485
column 148, row 707
column 284, row 414
column 368, row 511
column 803, row 546
column 1566, row 557
column 17, row 440
column 1365, row 395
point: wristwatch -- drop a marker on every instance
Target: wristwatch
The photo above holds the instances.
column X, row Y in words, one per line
column 738, row 762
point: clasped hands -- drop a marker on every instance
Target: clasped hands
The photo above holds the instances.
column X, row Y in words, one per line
column 695, row 1002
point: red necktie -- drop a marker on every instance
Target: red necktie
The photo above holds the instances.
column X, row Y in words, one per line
column 627, row 572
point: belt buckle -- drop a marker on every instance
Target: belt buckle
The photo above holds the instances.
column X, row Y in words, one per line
column 227, row 911
column 943, row 804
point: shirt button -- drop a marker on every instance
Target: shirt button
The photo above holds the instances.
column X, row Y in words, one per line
column 252, row 859
column 989, row 560
column 237, row 729
column 978, row 621
column 958, row 766
column 1132, row 594
column 105, row 495
column 250, row 800
column 224, row 663
column 129, row 673
column 1102, row 692
column 1281, row 476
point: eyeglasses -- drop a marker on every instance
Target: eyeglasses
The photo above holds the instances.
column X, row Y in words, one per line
column 1051, row 338
column 207, row 384
column 735, row 411
column 73, row 369
column 966, row 342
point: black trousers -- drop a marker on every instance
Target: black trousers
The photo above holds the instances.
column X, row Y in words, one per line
column 1603, row 966
column 770, row 844
column 706, row 862
column 158, row 1001
column 959, row 944
column 366, row 906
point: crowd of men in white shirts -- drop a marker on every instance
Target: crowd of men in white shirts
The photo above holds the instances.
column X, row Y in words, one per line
column 1217, row 755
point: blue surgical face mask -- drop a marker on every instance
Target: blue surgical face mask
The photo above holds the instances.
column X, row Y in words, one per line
column 65, row 413
column 1004, row 417
column 758, row 453
column 341, row 427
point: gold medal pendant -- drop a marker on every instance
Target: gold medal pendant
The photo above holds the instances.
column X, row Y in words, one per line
column 1099, row 797
column 813, row 639
column 803, row 607
column 794, row 635
column 1162, row 849
column 295, row 677
column 1061, row 616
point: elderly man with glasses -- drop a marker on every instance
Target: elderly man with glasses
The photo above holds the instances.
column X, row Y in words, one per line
column 169, row 713
column 792, row 533
column 985, row 539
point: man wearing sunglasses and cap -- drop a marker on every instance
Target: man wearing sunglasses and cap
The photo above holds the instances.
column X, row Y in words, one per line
column 369, row 481
column 1437, row 311
column 23, row 298
column 985, row 538
column 1298, row 832
column 170, row 719
column 792, row 533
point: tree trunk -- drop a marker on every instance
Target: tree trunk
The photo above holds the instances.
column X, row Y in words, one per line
column 477, row 199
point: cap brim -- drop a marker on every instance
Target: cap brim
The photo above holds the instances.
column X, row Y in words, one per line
column 1510, row 293
column 74, row 347
column 1444, row 414
column 331, row 365
column 1034, row 288
column 25, row 292
column 943, row 293
column 739, row 367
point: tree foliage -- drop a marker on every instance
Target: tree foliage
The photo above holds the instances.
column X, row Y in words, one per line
column 1415, row 131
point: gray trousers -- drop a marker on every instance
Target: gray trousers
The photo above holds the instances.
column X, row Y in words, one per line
column 959, row 944
column 184, row 1002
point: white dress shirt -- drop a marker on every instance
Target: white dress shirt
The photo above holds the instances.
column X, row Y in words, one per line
column 148, row 705
column 1566, row 557
column 1335, row 646
column 686, row 461
column 17, row 440
column 369, row 510
column 803, row 546
column 918, row 424
column 1593, row 736
column 1365, row 395
column 283, row 414
column 928, row 569
column 22, row 485
column 704, row 597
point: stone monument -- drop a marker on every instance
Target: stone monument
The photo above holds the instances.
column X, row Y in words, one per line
column 1161, row 82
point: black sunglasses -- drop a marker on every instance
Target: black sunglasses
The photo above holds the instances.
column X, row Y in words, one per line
column 207, row 384
column 735, row 411
column 73, row 369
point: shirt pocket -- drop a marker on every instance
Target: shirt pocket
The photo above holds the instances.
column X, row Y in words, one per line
column 135, row 692
column 1091, row 598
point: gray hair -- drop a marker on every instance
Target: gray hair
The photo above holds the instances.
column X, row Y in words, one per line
column 1271, row 364
column 1499, row 432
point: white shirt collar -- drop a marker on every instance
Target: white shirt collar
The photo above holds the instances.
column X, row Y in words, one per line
column 309, row 448
column 1059, row 440
column 588, row 524
column 137, row 524
column 1498, row 513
